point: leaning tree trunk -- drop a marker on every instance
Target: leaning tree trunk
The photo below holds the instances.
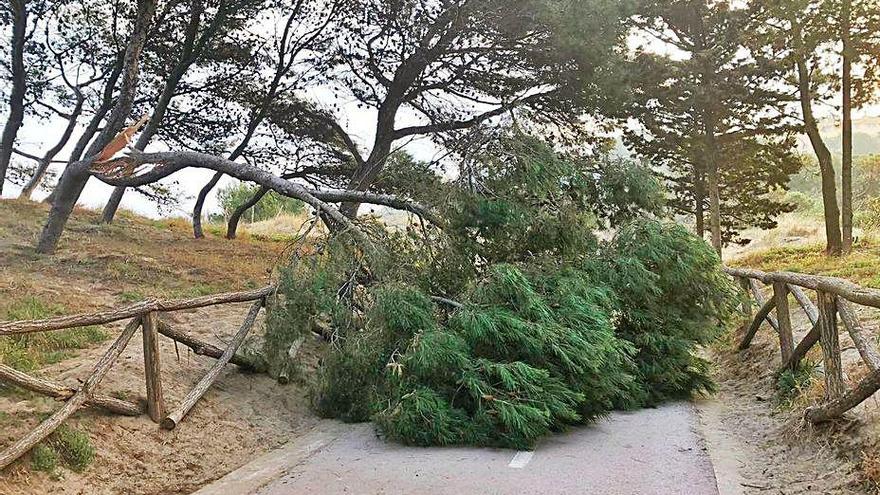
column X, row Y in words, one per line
column 16, row 96
column 235, row 217
column 187, row 58
column 43, row 166
column 846, row 203
column 75, row 176
column 834, row 244
column 200, row 205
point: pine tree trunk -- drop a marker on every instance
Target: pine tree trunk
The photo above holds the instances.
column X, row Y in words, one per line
column 846, row 166
column 699, row 204
column 198, row 232
column 74, row 178
column 713, row 183
column 16, row 95
column 834, row 243
column 235, row 217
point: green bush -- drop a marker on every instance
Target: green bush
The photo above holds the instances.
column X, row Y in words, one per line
column 44, row 458
column 74, row 446
column 271, row 205
column 867, row 215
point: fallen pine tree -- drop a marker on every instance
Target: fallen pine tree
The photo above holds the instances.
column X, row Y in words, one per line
column 515, row 320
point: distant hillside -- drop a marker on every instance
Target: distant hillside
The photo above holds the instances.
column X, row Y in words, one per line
column 866, row 136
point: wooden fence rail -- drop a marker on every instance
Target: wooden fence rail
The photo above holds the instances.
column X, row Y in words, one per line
column 144, row 316
column 834, row 298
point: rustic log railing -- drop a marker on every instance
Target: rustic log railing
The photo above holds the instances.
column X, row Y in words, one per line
column 144, row 316
column 834, row 298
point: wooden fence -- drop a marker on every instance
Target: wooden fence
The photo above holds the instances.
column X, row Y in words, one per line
column 144, row 316
column 835, row 298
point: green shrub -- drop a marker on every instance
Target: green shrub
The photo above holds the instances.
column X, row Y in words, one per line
column 74, row 446
column 271, row 205
column 44, row 458
column 867, row 215
column 791, row 383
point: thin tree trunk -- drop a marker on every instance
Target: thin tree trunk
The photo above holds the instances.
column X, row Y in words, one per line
column 235, row 217
column 200, row 205
column 826, row 166
column 699, row 204
column 187, row 58
column 714, row 193
column 40, row 173
column 846, row 203
column 16, row 96
column 74, row 178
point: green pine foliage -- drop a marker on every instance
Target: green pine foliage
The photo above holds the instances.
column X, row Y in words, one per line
column 672, row 297
column 555, row 327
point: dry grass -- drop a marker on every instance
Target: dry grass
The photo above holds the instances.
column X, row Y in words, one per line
column 134, row 256
column 782, row 250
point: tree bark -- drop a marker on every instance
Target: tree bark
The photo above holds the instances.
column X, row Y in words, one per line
column 833, row 234
column 187, row 58
column 235, row 217
column 16, row 95
column 846, row 204
column 699, row 204
column 74, row 178
column 200, row 205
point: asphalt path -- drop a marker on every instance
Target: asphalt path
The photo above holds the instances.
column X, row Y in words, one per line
column 646, row 452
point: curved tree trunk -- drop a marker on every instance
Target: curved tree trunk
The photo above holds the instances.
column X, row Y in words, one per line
column 200, row 205
column 834, row 244
column 235, row 217
column 187, row 58
column 16, row 96
column 39, row 174
column 74, row 178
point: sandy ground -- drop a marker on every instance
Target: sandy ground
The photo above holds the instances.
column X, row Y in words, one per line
column 760, row 446
column 241, row 417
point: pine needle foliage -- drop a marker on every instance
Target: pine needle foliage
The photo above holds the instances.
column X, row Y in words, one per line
column 555, row 327
column 672, row 297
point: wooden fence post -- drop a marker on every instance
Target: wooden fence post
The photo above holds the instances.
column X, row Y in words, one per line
column 783, row 316
column 153, row 367
column 747, row 301
column 834, row 387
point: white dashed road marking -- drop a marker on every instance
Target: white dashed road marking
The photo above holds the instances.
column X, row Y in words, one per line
column 520, row 460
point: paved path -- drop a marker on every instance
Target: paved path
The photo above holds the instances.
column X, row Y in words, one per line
column 653, row 451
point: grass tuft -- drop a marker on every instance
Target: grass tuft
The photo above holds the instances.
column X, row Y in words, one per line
column 74, row 446
column 32, row 351
column 44, row 458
